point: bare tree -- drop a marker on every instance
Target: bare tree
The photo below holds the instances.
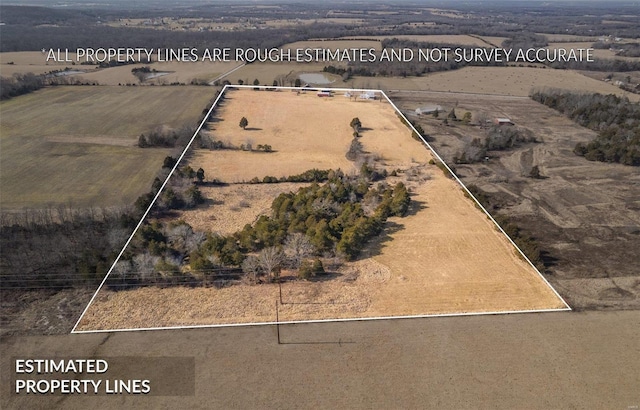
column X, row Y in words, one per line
column 251, row 267
column 297, row 247
column 248, row 144
column 270, row 260
column 145, row 266
column 121, row 270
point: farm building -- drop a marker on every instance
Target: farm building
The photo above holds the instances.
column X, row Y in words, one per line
column 503, row 121
column 429, row 109
column 369, row 95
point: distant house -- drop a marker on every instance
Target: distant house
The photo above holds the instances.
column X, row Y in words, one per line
column 503, row 121
column 429, row 109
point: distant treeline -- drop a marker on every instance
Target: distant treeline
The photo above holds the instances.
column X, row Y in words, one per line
column 29, row 38
column 34, row 28
column 621, row 49
column 20, row 84
column 616, row 119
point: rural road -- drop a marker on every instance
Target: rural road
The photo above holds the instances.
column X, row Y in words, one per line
column 220, row 77
column 532, row 361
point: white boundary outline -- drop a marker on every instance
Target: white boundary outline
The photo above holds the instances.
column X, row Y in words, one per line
column 433, row 152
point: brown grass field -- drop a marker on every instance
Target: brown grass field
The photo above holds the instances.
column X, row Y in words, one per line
column 176, row 72
column 514, row 81
column 181, row 72
column 266, row 73
column 76, row 145
column 235, row 206
column 30, row 62
column 598, row 54
column 562, row 38
column 445, row 257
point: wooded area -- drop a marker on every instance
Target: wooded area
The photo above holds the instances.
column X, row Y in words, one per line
column 616, row 119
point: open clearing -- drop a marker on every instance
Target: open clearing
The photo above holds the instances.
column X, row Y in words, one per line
column 234, row 206
column 77, row 145
column 446, row 256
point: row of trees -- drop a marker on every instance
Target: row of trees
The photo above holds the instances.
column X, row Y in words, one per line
column 20, row 84
column 181, row 191
column 166, row 138
column 616, row 119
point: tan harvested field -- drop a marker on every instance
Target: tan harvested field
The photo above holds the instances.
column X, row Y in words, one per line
column 176, row 72
column 445, row 257
column 181, row 72
column 597, row 53
column 112, row 76
column 563, row 38
column 31, row 62
column 513, row 81
column 77, row 145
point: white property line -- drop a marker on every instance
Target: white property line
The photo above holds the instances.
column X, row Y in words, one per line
column 74, row 331
column 293, row 322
